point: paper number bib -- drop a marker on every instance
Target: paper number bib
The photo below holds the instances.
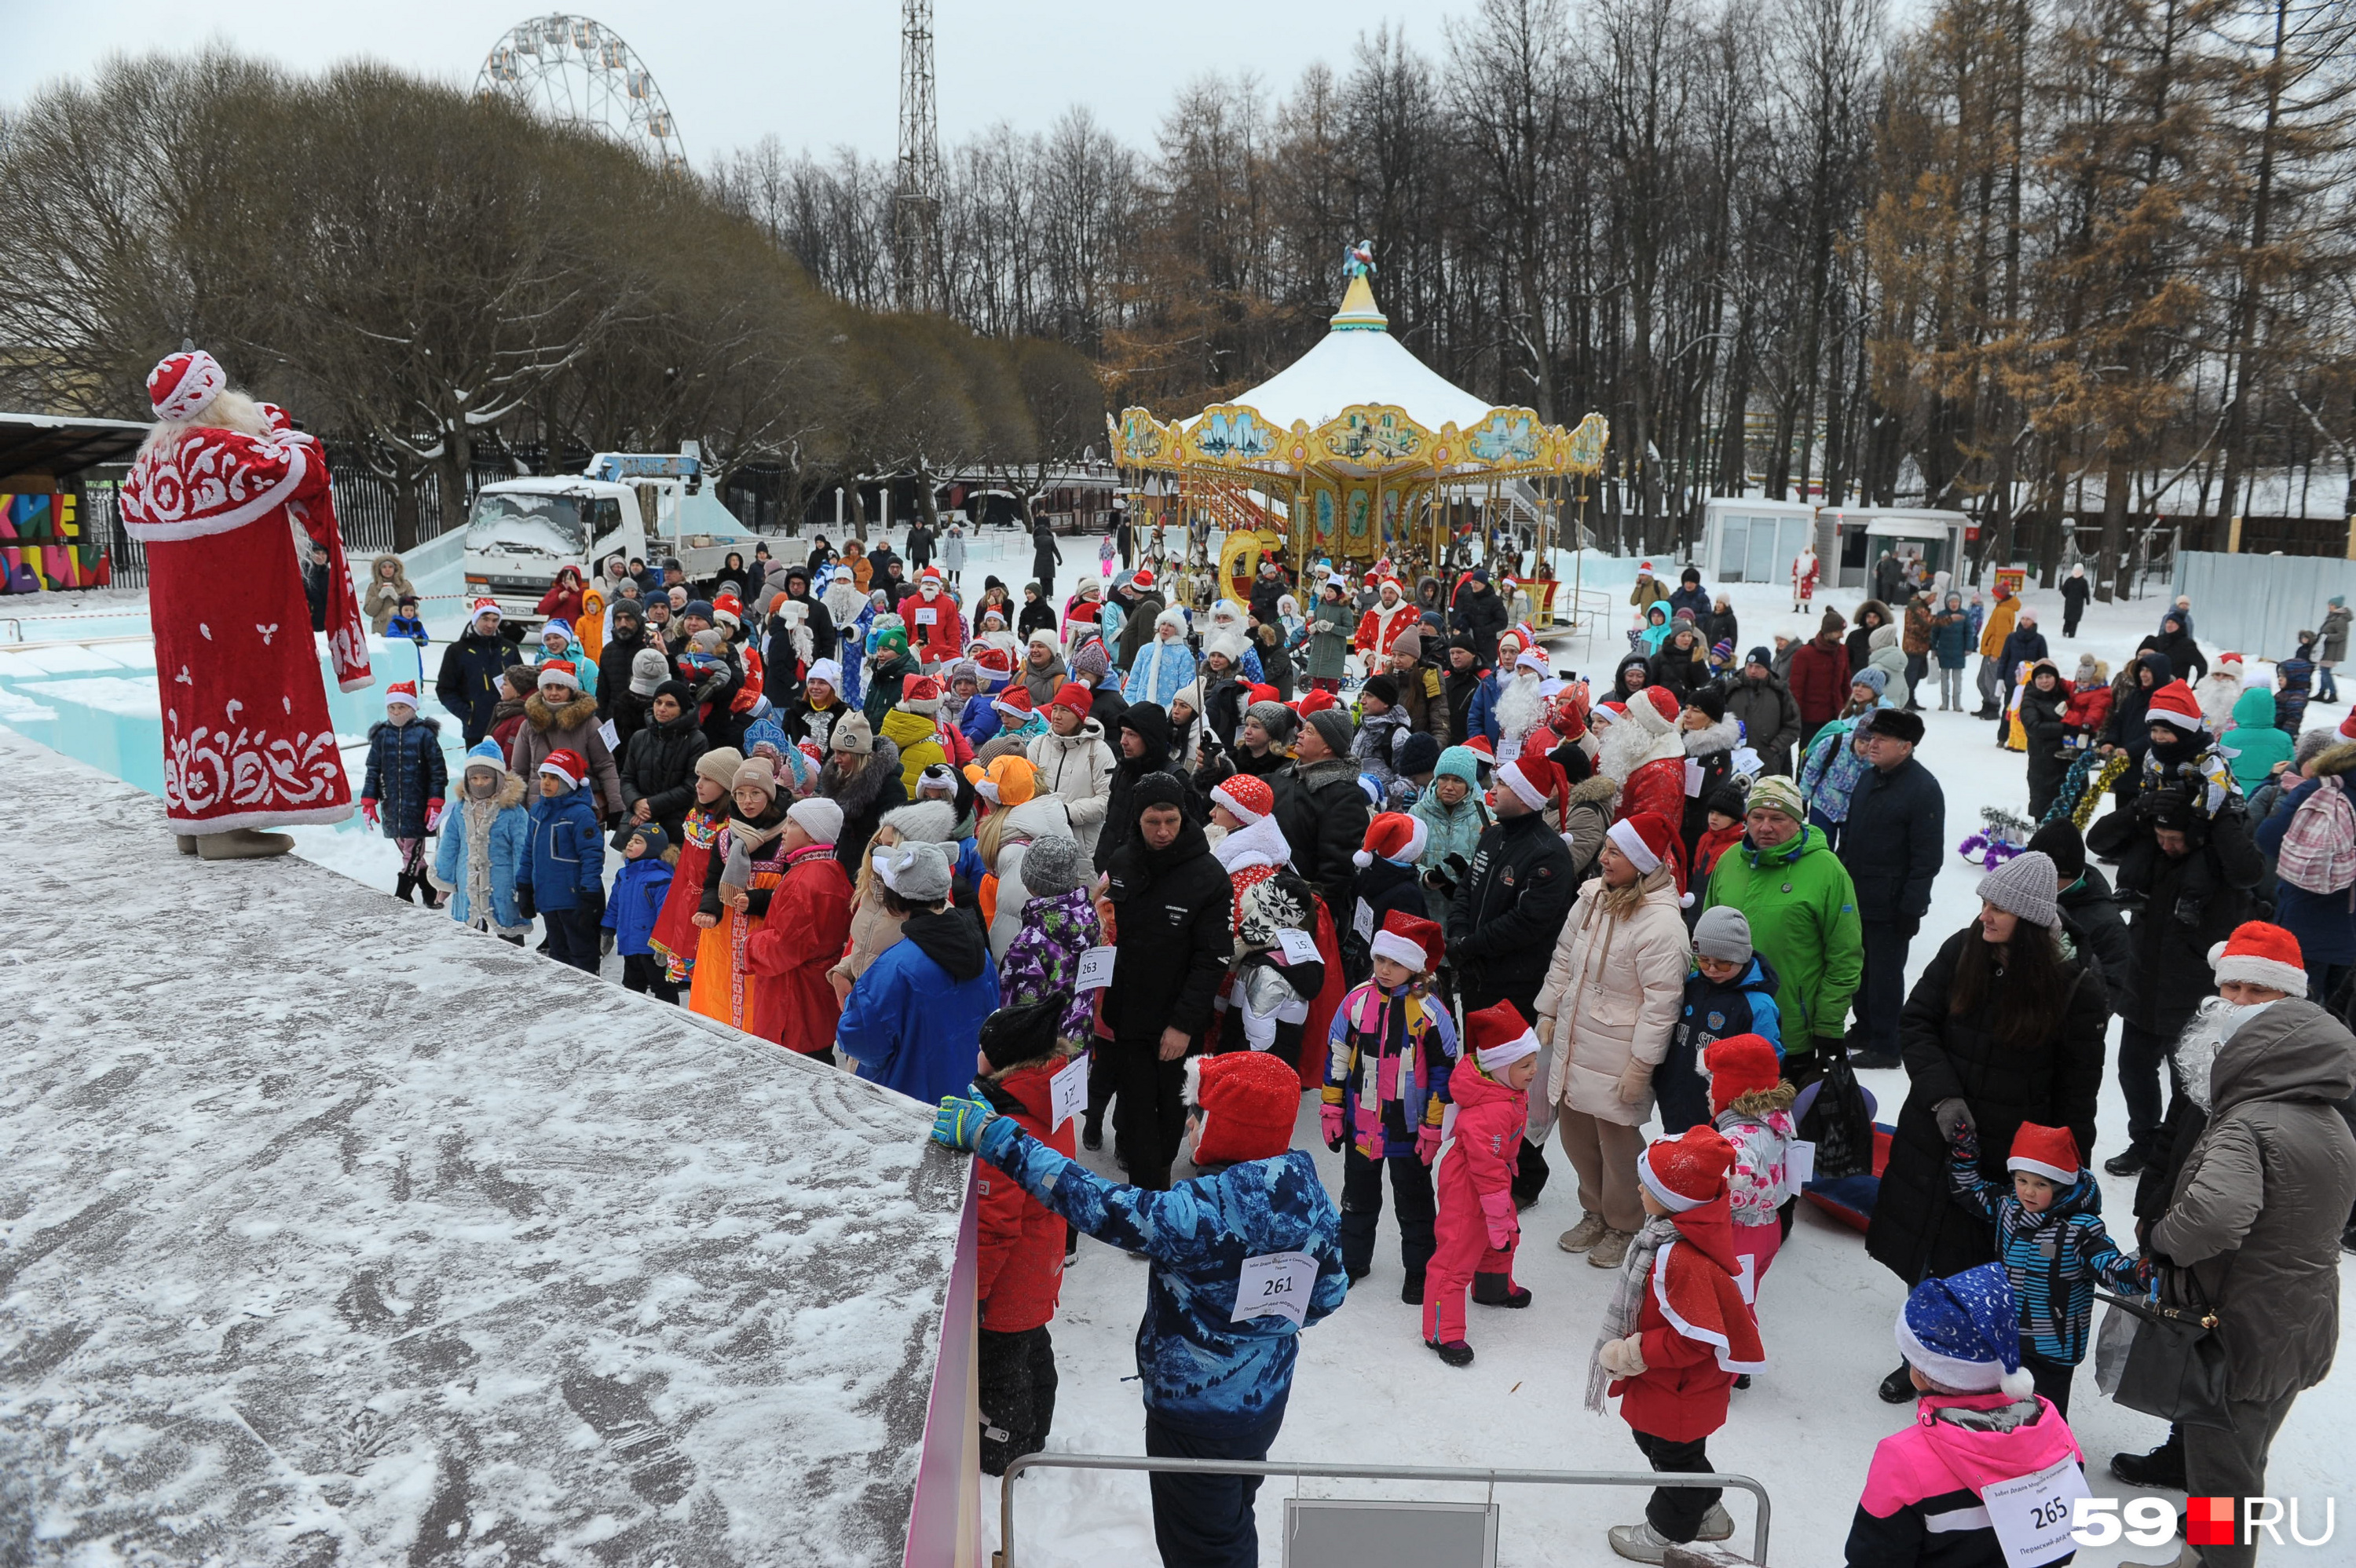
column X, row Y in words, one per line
column 2031, row 1513
column 1276, row 1284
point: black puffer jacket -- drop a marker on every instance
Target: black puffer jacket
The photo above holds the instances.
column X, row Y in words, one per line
column 1325, row 819
column 864, row 798
column 1894, row 842
column 1918, row 1228
column 2099, row 929
column 2182, row 909
column 468, row 682
column 1770, row 720
column 1151, row 723
column 2041, row 728
column 1171, row 940
column 1508, row 912
column 659, row 767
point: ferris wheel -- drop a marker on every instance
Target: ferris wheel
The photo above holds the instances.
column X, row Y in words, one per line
column 577, row 71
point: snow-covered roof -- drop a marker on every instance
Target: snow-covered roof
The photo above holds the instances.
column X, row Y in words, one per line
column 1360, row 362
column 335, row 1230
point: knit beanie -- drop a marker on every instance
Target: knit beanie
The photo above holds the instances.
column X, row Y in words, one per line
column 521, row 678
column 2024, row 886
column 1723, row 933
column 1333, row 725
column 1459, row 763
column 851, row 733
column 720, row 765
column 926, row 822
column 1710, row 700
column 758, row 771
column 1776, row 793
column 2059, row 841
column 817, row 817
column 656, row 839
column 1418, row 754
column 1728, row 799
column 648, row 669
column 1278, row 720
column 1382, row 688
column 1012, row 1036
column 1872, row 676
column 919, row 873
column 1052, row 866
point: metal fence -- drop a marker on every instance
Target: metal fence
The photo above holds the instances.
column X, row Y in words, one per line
column 2257, row 604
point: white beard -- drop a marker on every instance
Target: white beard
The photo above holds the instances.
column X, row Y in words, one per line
column 1519, row 709
column 1622, row 750
column 2196, row 1049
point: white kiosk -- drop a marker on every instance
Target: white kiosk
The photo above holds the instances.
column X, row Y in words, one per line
column 1753, row 540
column 1857, row 535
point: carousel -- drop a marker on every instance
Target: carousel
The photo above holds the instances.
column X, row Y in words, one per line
column 1357, row 453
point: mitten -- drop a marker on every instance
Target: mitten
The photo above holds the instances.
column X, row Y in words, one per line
column 1329, row 1121
column 1427, row 1144
column 433, row 809
column 1635, row 1081
column 1623, row 1357
column 368, row 809
column 524, row 904
column 606, row 943
column 1953, row 1115
column 959, row 1122
column 1505, row 1227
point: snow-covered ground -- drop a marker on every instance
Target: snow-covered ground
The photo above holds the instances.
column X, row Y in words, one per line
column 1369, row 1391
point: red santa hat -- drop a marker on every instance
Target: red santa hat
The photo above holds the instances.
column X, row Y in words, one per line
column 2174, row 704
column 401, row 691
column 1500, row 1037
column 2258, row 954
column 181, row 384
column 2229, row 657
column 480, row 608
column 1412, row 940
column 1649, row 842
column 729, row 608
column 1535, row 779
column 1738, row 1065
column 931, row 574
column 1607, row 712
column 1248, row 796
column 922, row 694
column 2048, row 1152
column 1571, row 707
column 1663, row 702
column 1480, row 745
column 1687, row 1171
column 1140, row 578
column 1255, row 695
column 566, row 764
column 1249, row 1101
column 1317, row 700
column 995, row 663
column 1074, row 696
column 1645, row 567
column 560, row 672
column 1394, row 836
column 2347, row 726
column 1015, row 703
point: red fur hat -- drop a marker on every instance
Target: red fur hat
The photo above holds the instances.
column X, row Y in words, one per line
column 1738, row 1065
column 1248, row 1100
column 1687, row 1171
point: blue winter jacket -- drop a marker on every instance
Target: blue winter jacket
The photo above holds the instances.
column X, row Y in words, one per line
column 566, row 866
column 639, row 887
column 910, row 1023
column 1712, row 1012
column 980, row 721
column 1161, row 672
column 1480, row 713
column 1204, row 1372
column 510, row 840
column 405, row 770
column 2055, row 1259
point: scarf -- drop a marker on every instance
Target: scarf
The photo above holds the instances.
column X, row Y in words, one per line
column 1627, row 1301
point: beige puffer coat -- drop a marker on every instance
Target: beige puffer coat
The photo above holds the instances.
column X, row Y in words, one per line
column 1077, row 770
column 380, row 601
column 1613, row 991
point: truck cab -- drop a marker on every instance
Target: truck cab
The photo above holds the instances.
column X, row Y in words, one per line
column 523, row 532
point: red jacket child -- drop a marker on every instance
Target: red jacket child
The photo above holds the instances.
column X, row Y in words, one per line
column 808, row 924
column 1477, row 1228
column 676, row 936
column 2089, row 708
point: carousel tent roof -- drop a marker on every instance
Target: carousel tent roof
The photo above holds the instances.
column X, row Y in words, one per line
column 1360, row 362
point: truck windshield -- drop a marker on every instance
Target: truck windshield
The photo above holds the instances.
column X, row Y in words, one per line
column 522, row 521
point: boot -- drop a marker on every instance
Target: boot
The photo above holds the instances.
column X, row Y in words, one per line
column 1611, row 1250
column 402, row 886
column 1897, row 1388
column 1498, row 1290
column 1640, row 1543
column 1411, row 1290
column 2129, row 1163
column 186, row 841
column 1583, row 1235
column 2162, row 1467
column 241, row 844
column 1716, row 1524
column 1091, row 1133
column 1455, row 1352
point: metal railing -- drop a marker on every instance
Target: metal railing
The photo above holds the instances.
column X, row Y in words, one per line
column 1463, row 1475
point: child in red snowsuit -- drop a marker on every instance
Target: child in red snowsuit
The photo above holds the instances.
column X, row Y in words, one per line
column 1019, row 1260
column 1677, row 1335
column 2088, row 710
column 1477, row 1228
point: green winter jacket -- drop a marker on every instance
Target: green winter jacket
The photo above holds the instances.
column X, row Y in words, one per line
column 1330, row 627
column 2254, row 743
column 1803, row 912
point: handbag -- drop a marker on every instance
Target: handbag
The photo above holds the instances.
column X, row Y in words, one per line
column 1837, row 1122
column 2176, row 1368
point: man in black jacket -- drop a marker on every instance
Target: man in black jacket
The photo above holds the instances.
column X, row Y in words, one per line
column 1045, row 557
column 468, row 684
column 1325, row 815
column 1509, row 913
column 1763, row 700
column 2199, row 878
column 1480, row 615
column 1893, row 845
column 1171, row 942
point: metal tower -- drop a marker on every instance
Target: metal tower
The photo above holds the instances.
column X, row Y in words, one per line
column 919, row 275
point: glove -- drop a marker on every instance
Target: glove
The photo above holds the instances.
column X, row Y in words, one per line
column 593, row 904
column 433, row 809
column 524, row 904
column 1906, row 926
column 1505, row 1226
column 1623, row 1357
column 368, row 809
column 959, row 1122
column 1459, row 867
column 1635, row 1081
column 1952, row 1117
column 1427, row 1144
column 606, row 944
column 1329, row 1122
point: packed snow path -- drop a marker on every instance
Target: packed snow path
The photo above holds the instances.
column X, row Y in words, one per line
column 334, row 1233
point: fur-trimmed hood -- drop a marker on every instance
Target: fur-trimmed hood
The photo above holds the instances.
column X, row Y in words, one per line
column 542, row 717
column 509, row 792
column 1722, row 736
column 1592, row 790
column 857, row 793
column 2336, row 759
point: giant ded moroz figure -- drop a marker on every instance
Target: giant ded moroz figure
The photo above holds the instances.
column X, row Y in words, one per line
column 215, row 494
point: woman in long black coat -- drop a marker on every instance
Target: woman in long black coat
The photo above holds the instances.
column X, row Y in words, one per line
column 2001, row 1029
column 2040, row 729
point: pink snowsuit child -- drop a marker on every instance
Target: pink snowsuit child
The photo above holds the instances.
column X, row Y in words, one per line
column 1751, row 1104
column 1478, row 1228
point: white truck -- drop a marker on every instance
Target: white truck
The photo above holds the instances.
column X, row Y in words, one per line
column 647, row 505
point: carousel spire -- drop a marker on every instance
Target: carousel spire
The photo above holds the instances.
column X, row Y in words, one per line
column 1359, row 312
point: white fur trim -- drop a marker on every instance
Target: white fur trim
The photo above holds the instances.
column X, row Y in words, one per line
column 2053, row 1173
column 1948, row 1371
column 1661, row 1297
column 198, row 827
column 1632, row 844
column 2252, row 970
column 1245, row 815
column 1677, row 1202
column 1191, row 1093
column 257, row 507
column 1520, row 786
column 1496, row 1058
column 1391, row 944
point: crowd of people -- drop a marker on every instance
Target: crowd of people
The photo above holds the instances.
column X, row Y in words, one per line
column 1358, row 839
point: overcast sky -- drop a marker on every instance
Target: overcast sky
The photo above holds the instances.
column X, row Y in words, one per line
column 817, row 75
